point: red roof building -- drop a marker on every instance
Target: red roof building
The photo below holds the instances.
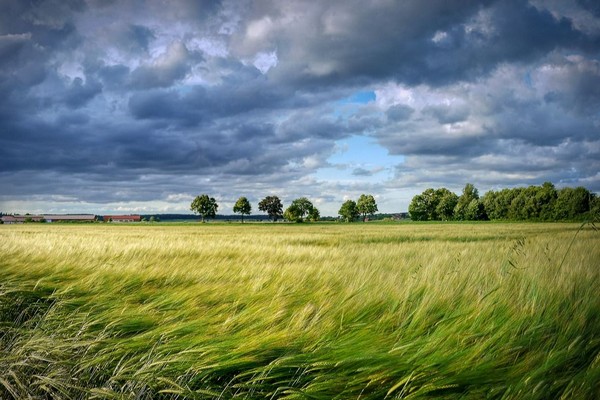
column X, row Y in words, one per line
column 70, row 217
column 122, row 218
column 19, row 219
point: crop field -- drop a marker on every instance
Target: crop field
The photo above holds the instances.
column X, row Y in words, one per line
column 309, row 311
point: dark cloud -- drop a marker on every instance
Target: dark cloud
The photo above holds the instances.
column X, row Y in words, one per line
column 114, row 77
column 437, row 44
column 446, row 114
column 104, row 102
column 167, row 69
column 518, row 165
column 21, row 62
column 79, row 93
column 591, row 6
column 399, row 112
column 11, row 45
column 139, row 37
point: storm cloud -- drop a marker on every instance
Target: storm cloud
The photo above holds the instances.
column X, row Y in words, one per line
column 136, row 106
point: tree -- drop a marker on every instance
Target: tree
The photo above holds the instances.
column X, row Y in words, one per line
column 299, row 209
column 242, row 206
column 491, row 204
column 572, row 203
column 595, row 207
column 418, row 208
column 291, row 214
column 348, row 211
column 314, row 214
column 272, row 206
column 366, row 205
column 475, row 211
column 546, row 197
column 205, row 206
column 433, row 205
column 498, row 204
column 445, row 202
column 469, row 193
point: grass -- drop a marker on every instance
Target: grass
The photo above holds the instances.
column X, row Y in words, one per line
column 362, row 311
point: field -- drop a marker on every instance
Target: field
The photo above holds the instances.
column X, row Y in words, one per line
column 313, row 311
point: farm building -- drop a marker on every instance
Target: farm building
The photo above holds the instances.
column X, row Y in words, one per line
column 19, row 219
column 70, row 217
column 122, row 218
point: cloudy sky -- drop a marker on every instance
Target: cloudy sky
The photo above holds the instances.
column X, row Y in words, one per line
column 138, row 106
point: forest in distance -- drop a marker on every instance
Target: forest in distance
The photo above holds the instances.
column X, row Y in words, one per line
column 532, row 203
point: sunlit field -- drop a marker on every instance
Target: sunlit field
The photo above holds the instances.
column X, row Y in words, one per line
column 312, row 311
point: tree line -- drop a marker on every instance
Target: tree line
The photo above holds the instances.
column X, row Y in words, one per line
column 300, row 210
column 533, row 203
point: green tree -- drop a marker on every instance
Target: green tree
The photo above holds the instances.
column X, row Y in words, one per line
column 291, row 214
column 546, row 197
column 205, row 206
column 595, row 207
column 538, row 203
column 242, row 206
column 419, row 207
column 515, row 203
column 433, row 205
column 298, row 210
column 366, row 205
column 272, row 206
column 445, row 202
column 469, row 194
column 348, row 211
column 572, row 203
column 314, row 214
column 498, row 204
column 475, row 211
column 518, row 206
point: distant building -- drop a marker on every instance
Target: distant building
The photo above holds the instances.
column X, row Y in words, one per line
column 9, row 219
column 122, row 218
column 19, row 219
column 69, row 217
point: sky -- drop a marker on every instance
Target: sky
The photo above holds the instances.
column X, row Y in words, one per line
column 138, row 106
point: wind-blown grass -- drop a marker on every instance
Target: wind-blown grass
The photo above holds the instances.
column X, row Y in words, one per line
column 289, row 311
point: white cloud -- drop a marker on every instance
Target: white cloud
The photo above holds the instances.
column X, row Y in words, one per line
column 264, row 61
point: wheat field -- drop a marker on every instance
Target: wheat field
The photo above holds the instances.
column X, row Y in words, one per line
column 309, row 311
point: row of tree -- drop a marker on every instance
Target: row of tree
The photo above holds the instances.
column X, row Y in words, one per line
column 536, row 203
column 351, row 210
column 300, row 209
